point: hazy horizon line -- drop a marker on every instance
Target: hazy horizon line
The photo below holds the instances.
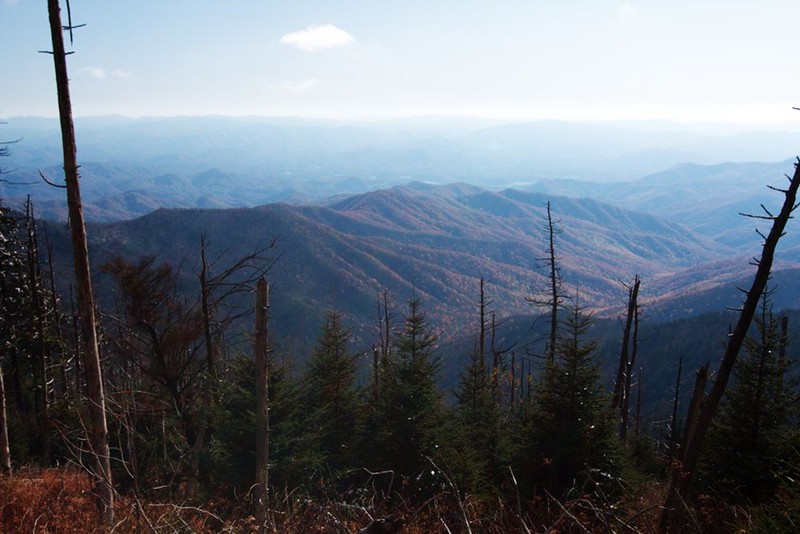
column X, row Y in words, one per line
column 747, row 125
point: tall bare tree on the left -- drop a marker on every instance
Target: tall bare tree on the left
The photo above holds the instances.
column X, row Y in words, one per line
column 98, row 436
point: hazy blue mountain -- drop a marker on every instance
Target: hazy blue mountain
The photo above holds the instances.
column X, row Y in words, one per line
column 706, row 198
column 247, row 161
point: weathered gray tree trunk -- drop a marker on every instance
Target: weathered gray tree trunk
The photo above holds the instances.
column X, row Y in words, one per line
column 616, row 399
column 695, row 404
column 40, row 356
column 61, row 385
column 98, row 438
column 626, row 398
column 693, row 444
column 380, row 352
column 637, row 418
column 482, row 330
column 5, row 453
column 554, row 286
column 262, row 404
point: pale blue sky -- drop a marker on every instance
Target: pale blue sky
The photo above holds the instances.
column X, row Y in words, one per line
column 681, row 60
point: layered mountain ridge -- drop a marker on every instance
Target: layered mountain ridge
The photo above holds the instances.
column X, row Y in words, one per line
column 437, row 242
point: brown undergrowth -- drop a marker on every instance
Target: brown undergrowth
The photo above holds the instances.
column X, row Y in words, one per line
column 60, row 500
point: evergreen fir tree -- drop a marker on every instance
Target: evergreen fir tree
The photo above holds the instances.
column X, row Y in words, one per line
column 754, row 433
column 573, row 428
column 411, row 404
column 331, row 396
column 478, row 447
column 232, row 456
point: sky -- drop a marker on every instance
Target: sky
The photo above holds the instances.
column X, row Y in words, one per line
column 678, row 60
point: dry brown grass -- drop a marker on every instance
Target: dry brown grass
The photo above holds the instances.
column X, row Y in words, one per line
column 47, row 500
column 61, row 500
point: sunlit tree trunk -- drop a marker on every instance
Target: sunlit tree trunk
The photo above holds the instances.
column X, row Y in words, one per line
column 83, row 284
column 262, row 403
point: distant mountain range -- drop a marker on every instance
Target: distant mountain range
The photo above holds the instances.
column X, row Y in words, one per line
column 438, row 241
column 132, row 166
column 706, row 198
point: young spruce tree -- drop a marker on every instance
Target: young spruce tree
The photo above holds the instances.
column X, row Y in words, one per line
column 331, row 396
column 477, row 446
column 411, row 404
column 754, row 436
column 573, row 434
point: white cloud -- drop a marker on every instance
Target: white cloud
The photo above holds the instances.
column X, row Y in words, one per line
column 292, row 86
column 628, row 9
column 318, row 37
column 98, row 73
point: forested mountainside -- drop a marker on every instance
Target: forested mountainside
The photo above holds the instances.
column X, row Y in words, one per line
column 436, row 240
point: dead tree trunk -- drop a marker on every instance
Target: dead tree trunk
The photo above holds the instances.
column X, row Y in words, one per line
column 513, row 384
column 40, row 356
column 76, row 344
column 61, row 384
column 554, row 299
column 622, row 383
column 5, row 453
column 626, row 397
column 637, row 418
column 695, row 404
column 262, row 404
column 98, row 438
column 694, row 442
column 482, row 329
column 210, row 384
column 380, row 352
column 554, row 286
column 674, row 435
